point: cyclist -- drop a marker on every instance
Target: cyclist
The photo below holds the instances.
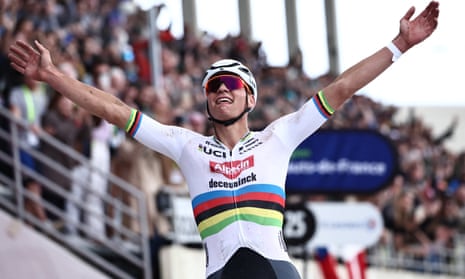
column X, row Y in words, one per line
column 236, row 177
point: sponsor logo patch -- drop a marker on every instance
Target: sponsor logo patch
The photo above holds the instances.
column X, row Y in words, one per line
column 211, row 151
column 232, row 169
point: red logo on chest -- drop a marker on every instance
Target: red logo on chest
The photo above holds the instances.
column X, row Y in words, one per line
column 232, row 169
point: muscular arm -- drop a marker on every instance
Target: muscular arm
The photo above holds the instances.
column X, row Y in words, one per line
column 356, row 77
column 37, row 64
column 411, row 33
column 92, row 99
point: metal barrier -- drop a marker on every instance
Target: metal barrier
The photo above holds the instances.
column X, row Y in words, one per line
column 441, row 260
column 134, row 254
column 175, row 206
column 124, row 257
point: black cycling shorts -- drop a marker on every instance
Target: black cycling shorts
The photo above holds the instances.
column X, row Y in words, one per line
column 247, row 264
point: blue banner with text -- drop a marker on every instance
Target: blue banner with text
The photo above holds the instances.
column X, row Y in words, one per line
column 342, row 161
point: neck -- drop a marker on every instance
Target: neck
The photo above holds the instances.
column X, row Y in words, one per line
column 231, row 135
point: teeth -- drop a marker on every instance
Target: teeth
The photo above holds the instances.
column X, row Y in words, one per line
column 224, row 100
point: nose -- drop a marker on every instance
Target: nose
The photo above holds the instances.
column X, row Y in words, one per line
column 222, row 89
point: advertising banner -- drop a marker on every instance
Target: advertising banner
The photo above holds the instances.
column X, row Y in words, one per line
column 331, row 224
column 342, row 161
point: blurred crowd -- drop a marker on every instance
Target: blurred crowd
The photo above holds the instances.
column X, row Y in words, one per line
column 105, row 43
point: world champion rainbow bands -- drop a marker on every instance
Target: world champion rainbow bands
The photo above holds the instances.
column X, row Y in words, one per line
column 262, row 204
column 133, row 122
column 322, row 104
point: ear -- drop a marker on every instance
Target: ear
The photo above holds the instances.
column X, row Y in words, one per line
column 251, row 100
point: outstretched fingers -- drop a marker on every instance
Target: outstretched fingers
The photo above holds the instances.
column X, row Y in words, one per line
column 25, row 50
column 17, row 67
column 434, row 14
column 18, row 58
column 430, row 15
column 409, row 14
column 25, row 59
column 431, row 11
column 40, row 46
column 20, row 54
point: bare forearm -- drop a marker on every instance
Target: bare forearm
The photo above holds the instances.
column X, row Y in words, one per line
column 92, row 99
column 371, row 67
column 411, row 32
column 357, row 76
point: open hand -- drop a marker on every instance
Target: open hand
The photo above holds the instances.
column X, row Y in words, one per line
column 28, row 61
column 415, row 31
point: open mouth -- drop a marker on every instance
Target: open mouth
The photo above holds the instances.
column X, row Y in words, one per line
column 222, row 100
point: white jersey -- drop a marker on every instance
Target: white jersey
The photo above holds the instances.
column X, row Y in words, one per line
column 238, row 195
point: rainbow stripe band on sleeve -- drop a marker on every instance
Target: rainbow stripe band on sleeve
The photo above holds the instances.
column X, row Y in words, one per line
column 322, row 104
column 133, row 122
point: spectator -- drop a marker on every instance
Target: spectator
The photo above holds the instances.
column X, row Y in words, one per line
column 408, row 238
column 82, row 23
column 231, row 93
column 459, row 196
column 59, row 123
column 28, row 103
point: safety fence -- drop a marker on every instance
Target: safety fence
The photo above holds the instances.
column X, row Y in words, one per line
column 441, row 260
column 125, row 255
column 128, row 254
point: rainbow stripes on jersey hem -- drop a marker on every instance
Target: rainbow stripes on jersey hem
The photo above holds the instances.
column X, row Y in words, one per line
column 133, row 122
column 262, row 204
column 322, row 104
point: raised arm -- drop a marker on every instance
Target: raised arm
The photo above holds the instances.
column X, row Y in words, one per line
column 411, row 33
column 38, row 65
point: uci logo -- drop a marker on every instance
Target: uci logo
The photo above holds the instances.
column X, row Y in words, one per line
column 210, row 151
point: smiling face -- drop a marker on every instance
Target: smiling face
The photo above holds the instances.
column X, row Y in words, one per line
column 225, row 103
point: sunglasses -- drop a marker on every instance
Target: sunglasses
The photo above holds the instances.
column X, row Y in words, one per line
column 232, row 82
